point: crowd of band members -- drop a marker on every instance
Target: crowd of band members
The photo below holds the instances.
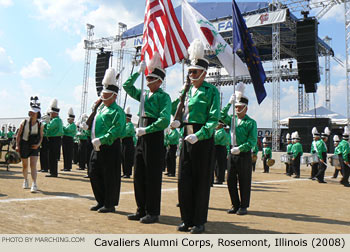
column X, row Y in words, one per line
column 206, row 150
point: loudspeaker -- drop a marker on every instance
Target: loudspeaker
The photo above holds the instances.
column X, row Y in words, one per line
column 304, row 128
column 307, row 53
column 102, row 64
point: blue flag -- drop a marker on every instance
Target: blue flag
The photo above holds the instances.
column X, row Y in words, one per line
column 243, row 41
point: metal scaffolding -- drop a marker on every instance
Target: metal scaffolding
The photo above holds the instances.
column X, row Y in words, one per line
column 347, row 48
column 327, row 75
column 120, row 61
column 300, row 98
column 87, row 43
column 276, row 79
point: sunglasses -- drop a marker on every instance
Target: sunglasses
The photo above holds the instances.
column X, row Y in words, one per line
column 192, row 71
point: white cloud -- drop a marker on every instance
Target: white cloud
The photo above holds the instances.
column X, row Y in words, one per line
column 38, row 68
column 6, row 63
column 6, row 3
column 77, row 53
column 65, row 14
column 336, row 12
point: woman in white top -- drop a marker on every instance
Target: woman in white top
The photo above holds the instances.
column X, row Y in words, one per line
column 29, row 137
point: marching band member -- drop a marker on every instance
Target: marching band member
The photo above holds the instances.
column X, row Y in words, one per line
column 83, row 143
column 289, row 169
column 344, row 157
column 10, row 133
column 316, row 138
column 297, row 151
column 255, row 151
column 240, row 158
column 69, row 132
column 322, row 155
column 44, row 149
column 128, row 148
column 266, row 155
column 337, row 151
column 54, row 132
column 201, row 115
column 150, row 144
column 108, row 127
column 221, row 139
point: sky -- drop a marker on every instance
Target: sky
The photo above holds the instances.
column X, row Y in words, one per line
column 41, row 53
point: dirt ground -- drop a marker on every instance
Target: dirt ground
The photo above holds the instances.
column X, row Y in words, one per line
column 279, row 204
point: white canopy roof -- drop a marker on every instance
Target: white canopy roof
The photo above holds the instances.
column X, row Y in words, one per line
column 321, row 112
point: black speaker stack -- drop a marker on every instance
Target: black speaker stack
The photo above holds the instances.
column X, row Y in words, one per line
column 102, row 64
column 304, row 128
column 307, row 53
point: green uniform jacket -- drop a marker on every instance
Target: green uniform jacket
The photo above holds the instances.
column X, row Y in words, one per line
column 172, row 138
column 221, row 137
column 70, row 130
column 246, row 131
column 83, row 134
column 345, row 149
column 289, row 148
column 129, row 130
column 54, row 128
column 157, row 106
column 10, row 134
column 338, row 150
column 255, row 149
column 204, row 108
column 110, row 123
column 266, row 151
column 2, row 134
column 320, row 148
column 296, row 149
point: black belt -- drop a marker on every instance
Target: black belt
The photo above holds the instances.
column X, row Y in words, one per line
column 191, row 128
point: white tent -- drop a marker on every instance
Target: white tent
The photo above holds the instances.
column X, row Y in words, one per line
column 321, row 112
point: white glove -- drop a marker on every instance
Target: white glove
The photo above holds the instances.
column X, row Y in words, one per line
column 96, row 143
column 232, row 99
column 192, row 139
column 84, row 126
column 175, row 124
column 140, row 131
column 235, row 150
column 142, row 67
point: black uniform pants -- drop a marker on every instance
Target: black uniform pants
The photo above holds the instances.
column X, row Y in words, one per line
column 54, row 150
column 171, row 159
column 345, row 170
column 322, row 167
column 75, row 153
column 128, row 154
column 314, row 170
column 195, row 173
column 296, row 165
column 148, row 172
column 82, row 153
column 44, row 154
column 67, row 144
column 239, row 171
column 89, row 149
column 266, row 167
column 221, row 162
column 105, row 174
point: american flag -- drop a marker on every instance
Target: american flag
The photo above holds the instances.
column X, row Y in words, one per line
column 162, row 33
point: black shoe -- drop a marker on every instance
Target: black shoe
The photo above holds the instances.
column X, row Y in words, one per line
column 347, row 185
column 233, row 210
column 135, row 216
column 126, row 176
column 296, row 176
column 242, row 211
column 106, row 210
column 166, row 173
column 80, row 169
column 197, row 229
column 321, row 181
column 148, row 219
column 217, row 183
column 183, row 227
column 95, row 208
column 171, row 175
column 333, row 177
column 51, row 175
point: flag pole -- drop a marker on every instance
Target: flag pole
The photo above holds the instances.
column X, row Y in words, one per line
column 233, row 121
column 142, row 102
